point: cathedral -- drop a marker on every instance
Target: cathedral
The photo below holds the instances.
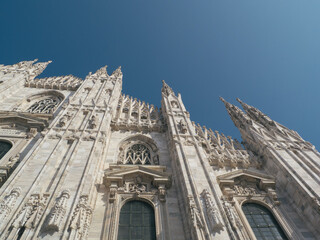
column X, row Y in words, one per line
column 80, row 159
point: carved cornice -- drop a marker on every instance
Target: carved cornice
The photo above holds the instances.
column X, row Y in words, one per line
column 69, row 82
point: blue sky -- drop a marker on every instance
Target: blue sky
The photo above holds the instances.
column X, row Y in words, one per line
column 267, row 53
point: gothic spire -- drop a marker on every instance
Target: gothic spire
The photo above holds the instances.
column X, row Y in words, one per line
column 117, row 73
column 101, row 72
column 257, row 115
column 39, row 67
column 239, row 118
column 166, row 90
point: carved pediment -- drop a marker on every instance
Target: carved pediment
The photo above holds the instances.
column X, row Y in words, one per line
column 229, row 179
column 119, row 173
column 27, row 120
column 20, row 124
column 246, row 183
column 137, row 179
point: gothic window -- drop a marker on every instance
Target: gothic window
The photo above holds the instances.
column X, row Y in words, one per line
column 137, row 221
column 138, row 154
column 262, row 222
column 4, row 148
column 46, row 105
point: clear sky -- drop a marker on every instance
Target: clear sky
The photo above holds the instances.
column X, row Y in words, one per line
column 267, row 53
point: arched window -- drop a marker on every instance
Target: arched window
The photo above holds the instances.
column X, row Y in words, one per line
column 4, row 148
column 137, row 221
column 138, row 154
column 262, row 222
column 46, row 105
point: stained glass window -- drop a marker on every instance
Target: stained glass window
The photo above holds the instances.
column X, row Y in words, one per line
column 137, row 222
column 4, row 148
column 262, row 222
column 138, row 154
column 47, row 105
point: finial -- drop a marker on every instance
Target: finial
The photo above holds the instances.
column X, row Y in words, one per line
column 238, row 99
column 166, row 89
column 117, row 73
column 222, row 99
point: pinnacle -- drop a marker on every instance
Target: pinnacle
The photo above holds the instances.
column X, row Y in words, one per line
column 238, row 99
column 222, row 99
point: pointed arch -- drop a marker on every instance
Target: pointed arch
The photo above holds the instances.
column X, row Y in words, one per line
column 138, row 149
column 41, row 103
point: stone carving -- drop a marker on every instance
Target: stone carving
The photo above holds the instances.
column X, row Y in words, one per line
column 46, row 105
column 137, row 186
column 232, row 215
column 174, row 104
column 64, row 119
column 68, row 82
column 13, row 161
column 211, row 211
column 223, row 151
column 182, row 126
column 166, row 90
column 112, row 192
column 162, row 193
column 31, row 212
column 138, row 154
column 93, row 121
column 245, row 188
column 32, row 132
column 143, row 115
column 58, row 212
column 81, row 219
column 8, row 202
column 195, row 214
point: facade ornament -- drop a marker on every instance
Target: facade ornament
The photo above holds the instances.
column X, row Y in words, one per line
column 93, row 121
column 182, row 126
column 58, row 211
column 13, row 161
column 166, row 90
column 162, row 193
column 137, row 186
column 32, row 133
column 112, row 192
column 195, row 214
column 31, row 212
column 81, row 219
column 8, row 202
column 64, row 119
column 273, row 196
column 211, row 211
column 45, row 106
column 117, row 73
column 232, row 215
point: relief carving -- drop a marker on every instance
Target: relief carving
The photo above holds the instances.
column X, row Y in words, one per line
column 81, row 219
column 232, row 215
column 211, row 212
column 58, row 212
column 8, row 202
column 195, row 214
column 182, row 126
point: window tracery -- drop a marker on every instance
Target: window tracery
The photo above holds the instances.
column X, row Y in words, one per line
column 137, row 221
column 138, row 154
column 46, row 105
column 262, row 222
